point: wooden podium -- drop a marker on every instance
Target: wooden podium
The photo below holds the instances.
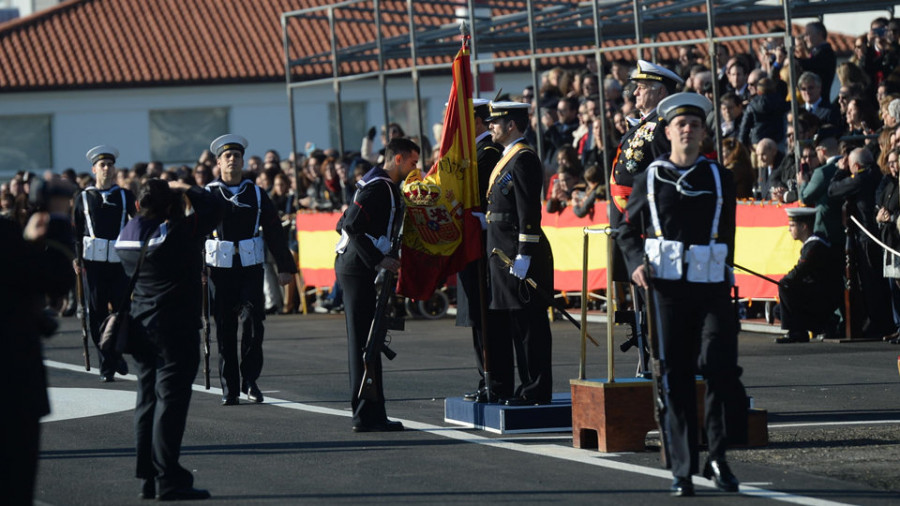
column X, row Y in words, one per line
column 616, row 417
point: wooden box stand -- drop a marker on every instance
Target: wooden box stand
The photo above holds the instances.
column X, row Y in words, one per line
column 616, row 417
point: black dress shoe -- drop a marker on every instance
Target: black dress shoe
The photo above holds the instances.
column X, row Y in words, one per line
column 522, row 401
column 480, row 395
column 230, row 400
column 720, row 473
column 682, row 487
column 185, row 494
column 122, row 367
column 253, row 392
column 107, row 378
column 793, row 338
column 385, row 426
column 148, row 489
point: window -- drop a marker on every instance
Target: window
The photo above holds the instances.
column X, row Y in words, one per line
column 355, row 124
column 25, row 143
column 180, row 135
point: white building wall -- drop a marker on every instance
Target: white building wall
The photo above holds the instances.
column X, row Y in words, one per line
column 82, row 119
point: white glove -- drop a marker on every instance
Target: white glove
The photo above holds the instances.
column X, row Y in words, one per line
column 483, row 221
column 520, row 267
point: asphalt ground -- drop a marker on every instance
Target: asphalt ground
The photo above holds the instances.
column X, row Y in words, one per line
column 834, row 428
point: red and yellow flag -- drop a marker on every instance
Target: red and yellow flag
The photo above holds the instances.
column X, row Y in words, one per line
column 440, row 235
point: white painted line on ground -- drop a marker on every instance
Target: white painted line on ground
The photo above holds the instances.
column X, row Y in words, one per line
column 829, row 424
column 570, row 454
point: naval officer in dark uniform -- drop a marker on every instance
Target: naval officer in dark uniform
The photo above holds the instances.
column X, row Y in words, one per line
column 684, row 204
column 811, row 292
column 167, row 307
column 100, row 212
column 514, row 226
column 468, row 299
column 368, row 226
column 235, row 256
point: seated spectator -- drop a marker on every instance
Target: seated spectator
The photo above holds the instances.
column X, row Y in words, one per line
column 810, row 85
column 737, row 71
column 764, row 116
column 567, row 180
column 736, row 158
column 732, row 110
column 811, row 292
column 862, row 119
column 768, row 158
column 583, row 202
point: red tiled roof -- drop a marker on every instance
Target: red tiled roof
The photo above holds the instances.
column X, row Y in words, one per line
column 138, row 43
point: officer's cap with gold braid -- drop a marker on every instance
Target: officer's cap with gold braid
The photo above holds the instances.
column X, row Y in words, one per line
column 102, row 152
column 482, row 108
column 509, row 110
column 804, row 214
column 647, row 71
column 680, row 104
column 228, row 142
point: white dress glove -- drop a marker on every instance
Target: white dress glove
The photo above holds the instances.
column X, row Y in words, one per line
column 520, row 267
column 483, row 221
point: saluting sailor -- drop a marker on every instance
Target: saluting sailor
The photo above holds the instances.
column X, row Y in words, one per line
column 100, row 212
column 235, row 254
column 684, row 204
column 514, row 226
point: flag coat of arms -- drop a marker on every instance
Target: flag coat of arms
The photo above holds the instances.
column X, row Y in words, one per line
column 440, row 234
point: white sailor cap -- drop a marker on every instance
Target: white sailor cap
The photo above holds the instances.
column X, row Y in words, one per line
column 685, row 103
column 508, row 110
column 101, row 152
column 801, row 213
column 647, row 71
column 228, row 142
column 482, row 108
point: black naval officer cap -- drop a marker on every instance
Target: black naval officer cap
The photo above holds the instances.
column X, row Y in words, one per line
column 509, row 110
column 102, row 152
column 482, row 107
column 680, row 104
column 804, row 214
column 651, row 72
column 228, row 142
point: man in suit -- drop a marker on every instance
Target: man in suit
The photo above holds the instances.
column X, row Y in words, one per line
column 810, row 85
column 368, row 228
column 816, row 55
column 468, row 295
column 100, row 212
column 235, row 255
column 514, row 227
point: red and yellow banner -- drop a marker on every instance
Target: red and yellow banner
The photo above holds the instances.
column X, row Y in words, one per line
column 440, row 235
column 762, row 244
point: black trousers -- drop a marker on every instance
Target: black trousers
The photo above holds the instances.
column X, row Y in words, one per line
column 529, row 331
column 698, row 334
column 104, row 284
column 499, row 342
column 359, row 310
column 237, row 302
column 165, row 376
column 808, row 307
column 19, row 448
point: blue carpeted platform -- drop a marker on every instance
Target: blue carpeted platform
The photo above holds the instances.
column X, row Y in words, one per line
column 500, row 419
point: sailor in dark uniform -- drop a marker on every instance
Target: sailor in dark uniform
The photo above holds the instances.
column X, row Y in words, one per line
column 684, row 204
column 235, row 255
column 468, row 299
column 368, row 227
column 811, row 292
column 514, row 226
column 100, row 212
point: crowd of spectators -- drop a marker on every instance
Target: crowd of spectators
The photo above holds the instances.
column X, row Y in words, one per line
column 754, row 120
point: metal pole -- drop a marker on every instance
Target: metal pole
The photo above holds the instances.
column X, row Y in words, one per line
column 335, row 71
column 584, row 298
column 532, row 45
column 473, row 49
column 415, row 75
column 638, row 28
column 382, row 81
column 290, row 98
column 711, row 32
column 792, row 79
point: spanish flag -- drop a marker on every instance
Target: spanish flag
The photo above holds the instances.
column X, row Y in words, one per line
column 440, row 235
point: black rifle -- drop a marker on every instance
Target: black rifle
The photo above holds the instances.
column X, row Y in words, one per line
column 386, row 285
column 204, row 316
column 83, row 315
column 659, row 399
